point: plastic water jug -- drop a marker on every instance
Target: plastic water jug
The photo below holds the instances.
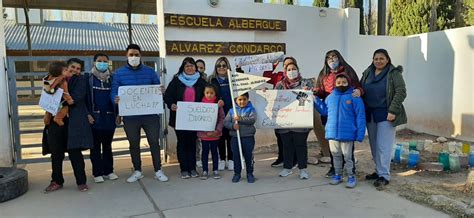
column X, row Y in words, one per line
column 454, row 163
column 443, row 158
column 413, row 159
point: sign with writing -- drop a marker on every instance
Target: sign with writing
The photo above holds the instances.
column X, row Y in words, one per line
column 140, row 100
column 222, row 48
column 257, row 68
column 259, row 59
column 196, row 116
column 243, row 83
column 283, row 109
column 51, row 102
column 233, row 23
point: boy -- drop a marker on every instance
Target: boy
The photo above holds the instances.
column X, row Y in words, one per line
column 57, row 79
column 346, row 124
column 244, row 121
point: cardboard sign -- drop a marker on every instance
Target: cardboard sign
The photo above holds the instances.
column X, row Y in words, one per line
column 196, row 116
column 51, row 103
column 140, row 100
column 283, row 109
column 243, row 83
column 257, row 68
column 259, row 59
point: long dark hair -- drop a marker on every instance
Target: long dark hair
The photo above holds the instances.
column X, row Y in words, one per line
column 326, row 69
column 187, row 60
column 385, row 53
column 219, row 60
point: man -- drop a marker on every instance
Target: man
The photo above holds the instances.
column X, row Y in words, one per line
column 132, row 74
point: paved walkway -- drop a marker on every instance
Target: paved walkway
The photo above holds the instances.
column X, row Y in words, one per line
column 270, row 196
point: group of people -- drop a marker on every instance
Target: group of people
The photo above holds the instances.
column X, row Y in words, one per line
column 344, row 107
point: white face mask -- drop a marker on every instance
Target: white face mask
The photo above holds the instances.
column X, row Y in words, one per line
column 134, row 61
column 292, row 74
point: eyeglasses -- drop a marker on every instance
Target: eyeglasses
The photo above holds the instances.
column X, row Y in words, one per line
column 222, row 66
column 332, row 57
column 189, row 66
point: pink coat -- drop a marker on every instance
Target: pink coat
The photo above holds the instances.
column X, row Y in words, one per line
column 219, row 125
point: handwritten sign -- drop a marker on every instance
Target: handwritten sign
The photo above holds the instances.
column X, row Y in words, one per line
column 140, row 100
column 259, row 59
column 222, row 48
column 243, row 83
column 233, row 23
column 196, row 116
column 51, row 102
column 257, row 68
column 283, row 109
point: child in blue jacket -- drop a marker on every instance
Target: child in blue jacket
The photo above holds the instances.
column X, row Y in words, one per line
column 346, row 124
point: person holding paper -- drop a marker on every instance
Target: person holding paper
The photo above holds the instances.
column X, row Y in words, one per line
column 187, row 85
column 102, row 118
column 346, row 124
column 243, row 120
column 294, row 140
column 275, row 78
column 219, row 79
column 334, row 64
column 132, row 74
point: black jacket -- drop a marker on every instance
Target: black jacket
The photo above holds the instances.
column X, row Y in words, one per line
column 79, row 129
column 175, row 93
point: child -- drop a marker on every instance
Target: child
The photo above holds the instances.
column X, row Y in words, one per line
column 57, row 79
column 346, row 124
column 243, row 119
column 210, row 140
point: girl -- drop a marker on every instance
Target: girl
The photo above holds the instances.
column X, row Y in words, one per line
column 187, row 85
column 210, row 140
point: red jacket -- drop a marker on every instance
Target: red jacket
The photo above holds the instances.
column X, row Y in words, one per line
column 274, row 77
column 325, row 82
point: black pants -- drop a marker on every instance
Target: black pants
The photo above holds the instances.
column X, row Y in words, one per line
column 225, row 148
column 57, row 140
column 295, row 142
column 186, row 150
column 151, row 125
column 280, row 149
column 248, row 144
column 101, row 154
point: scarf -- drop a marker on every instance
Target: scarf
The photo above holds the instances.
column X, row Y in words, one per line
column 189, row 80
column 102, row 76
column 212, row 100
column 291, row 84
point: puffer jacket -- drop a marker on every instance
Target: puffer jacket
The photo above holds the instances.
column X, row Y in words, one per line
column 127, row 76
column 247, row 116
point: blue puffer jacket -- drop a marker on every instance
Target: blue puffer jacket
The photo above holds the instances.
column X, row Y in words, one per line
column 247, row 121
column 127, row 76
column 346, row 116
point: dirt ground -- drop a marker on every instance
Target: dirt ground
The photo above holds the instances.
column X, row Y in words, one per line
column 415, row 185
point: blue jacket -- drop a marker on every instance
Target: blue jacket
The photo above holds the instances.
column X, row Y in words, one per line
column 100, row 107
column 247, row 116
column 127, row 76
column 346, row 116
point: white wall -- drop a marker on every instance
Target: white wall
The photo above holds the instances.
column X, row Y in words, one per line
column 439, row 80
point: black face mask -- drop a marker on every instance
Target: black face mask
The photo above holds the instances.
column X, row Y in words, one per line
column 342, row 88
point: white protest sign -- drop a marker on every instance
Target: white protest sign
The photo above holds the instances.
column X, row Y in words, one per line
column 243, row 83
column 51, row 102
column 196, row 116
column 258, row 68
column 140, row 100
column 283, row 109
column 259, row 59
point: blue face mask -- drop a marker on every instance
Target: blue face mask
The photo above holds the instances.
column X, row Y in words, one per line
column 334, row 65
column 102, row 66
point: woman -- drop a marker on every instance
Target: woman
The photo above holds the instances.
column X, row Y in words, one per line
column 384, row 95
column 187, row 86
column 102, row 119
column 275, row 78
column 294, row 140
column 220, row 79
column 334, row 64
column 75, row 135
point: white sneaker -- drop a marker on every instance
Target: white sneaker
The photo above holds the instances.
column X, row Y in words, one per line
column 304, row 174
column 161, row 176
column 111, row 176
column 285, row 173
column 137, row 175
column 325, row 160
column 230, row 165
column 199, row 164
column 99, row 179
column 221, row 165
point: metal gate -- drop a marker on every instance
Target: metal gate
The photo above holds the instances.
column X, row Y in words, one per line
column 25, row 85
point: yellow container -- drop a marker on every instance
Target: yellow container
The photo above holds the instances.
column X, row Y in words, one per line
column 466, row 148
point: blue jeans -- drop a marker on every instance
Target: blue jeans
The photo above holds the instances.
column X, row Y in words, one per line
column 381, row 139
column 248, row 143
column 212, row 145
